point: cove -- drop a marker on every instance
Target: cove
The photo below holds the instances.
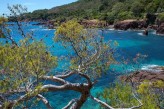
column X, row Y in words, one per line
column 129, row 44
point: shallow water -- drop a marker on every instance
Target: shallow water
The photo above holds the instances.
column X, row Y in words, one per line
column 130, row 44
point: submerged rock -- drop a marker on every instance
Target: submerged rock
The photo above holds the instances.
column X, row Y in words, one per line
column 145, row 32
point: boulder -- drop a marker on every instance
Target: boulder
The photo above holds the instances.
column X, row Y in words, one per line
column 160, row 30
column 131, row 24
column 145, row 32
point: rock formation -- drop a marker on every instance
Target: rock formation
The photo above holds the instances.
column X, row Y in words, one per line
column 145, row 32
column 160, row 30
column 140, row 76
column 131, row 24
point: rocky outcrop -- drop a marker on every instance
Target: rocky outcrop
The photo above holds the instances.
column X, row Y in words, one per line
column 140, row 76
column 131, row 24
column 145, row 32
column 160, row 30
column 49, row 24
column 93, row 23
column 154, row 27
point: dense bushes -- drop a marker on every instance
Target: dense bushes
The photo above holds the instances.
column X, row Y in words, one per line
column 161, row 16
column 120, row 95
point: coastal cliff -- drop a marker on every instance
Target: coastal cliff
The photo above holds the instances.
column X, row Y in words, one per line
column 131, row 24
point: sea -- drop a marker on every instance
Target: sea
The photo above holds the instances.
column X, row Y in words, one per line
column 130, row 44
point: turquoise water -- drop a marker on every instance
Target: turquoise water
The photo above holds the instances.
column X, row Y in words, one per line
column 130, row 44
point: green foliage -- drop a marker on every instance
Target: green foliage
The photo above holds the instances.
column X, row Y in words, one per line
column 151, row 8
column 120, row 95
column 69, row 31
column 39, row 14
column 2, row 21
column 148, row 96
column 125, row 15
column 107, row 10
column 137, row 8
column 2, row 34
column 161, row 16
column 84, row 42
column 18, row 64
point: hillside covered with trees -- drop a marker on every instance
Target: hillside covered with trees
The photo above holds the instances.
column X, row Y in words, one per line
column 108, row 10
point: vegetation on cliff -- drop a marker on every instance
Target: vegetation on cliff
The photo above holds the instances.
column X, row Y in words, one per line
column 108, row 10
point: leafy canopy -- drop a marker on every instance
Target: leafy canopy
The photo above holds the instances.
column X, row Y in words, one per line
column 23, row 64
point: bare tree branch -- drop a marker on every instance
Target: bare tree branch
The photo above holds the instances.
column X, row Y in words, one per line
column 45, row 101
column 66, row 75
column 69, row 104
column 110, row 107
column 140, row 103
column 49, row 88
column 87, row 77
column 101, row 102
column 55, row 79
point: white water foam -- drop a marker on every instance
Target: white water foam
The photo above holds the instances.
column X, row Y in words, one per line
column 154, row 32
column 153, row 68
column 141, row 34
column 34, row 29
column 48, row 29
column 111, row 29
column 41, row 29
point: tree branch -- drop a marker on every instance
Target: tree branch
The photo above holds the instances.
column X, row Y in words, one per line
column 55, row 79
column 93, row 58
column 66, row 75
column 134, row 107
column 48, row 88
column 109, row 107
column 45, row 101
column 101, row 102
column 69, row 104
column 76, row 51
column 87, row 77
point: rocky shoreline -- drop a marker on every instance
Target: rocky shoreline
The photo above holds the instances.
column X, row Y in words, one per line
column 139, row 24
column 132, row 24
column 152, row 75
